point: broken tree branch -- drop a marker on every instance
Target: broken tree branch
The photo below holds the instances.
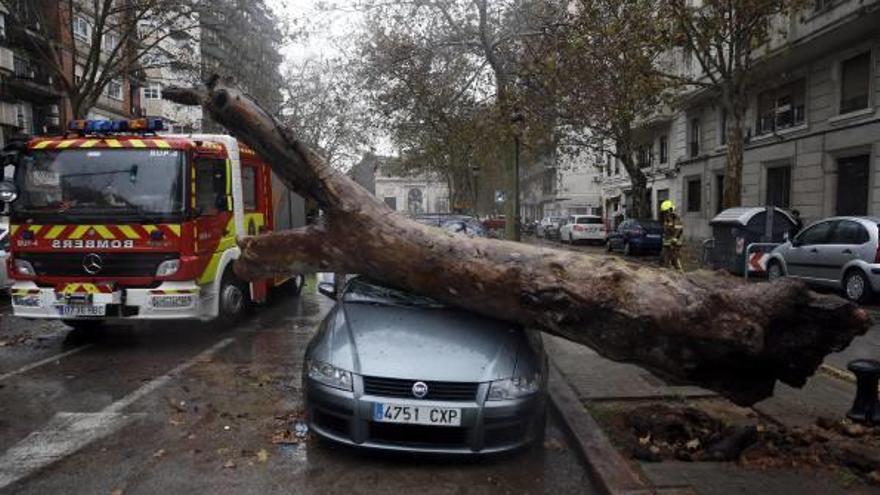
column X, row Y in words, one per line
column 702, row 328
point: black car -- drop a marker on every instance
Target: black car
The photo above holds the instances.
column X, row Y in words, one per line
column 637, row 236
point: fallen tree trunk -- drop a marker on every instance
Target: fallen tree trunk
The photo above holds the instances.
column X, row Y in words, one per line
column 703, row 328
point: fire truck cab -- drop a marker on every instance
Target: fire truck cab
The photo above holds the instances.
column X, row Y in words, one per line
column 116, row 222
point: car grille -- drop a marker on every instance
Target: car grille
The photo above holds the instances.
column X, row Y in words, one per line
column 114, row 264
column 392, row 387
column 418, row 435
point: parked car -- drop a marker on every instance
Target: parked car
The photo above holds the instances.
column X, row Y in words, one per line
column 495, row 223
column 590, row 228
column 397, row 371
column 549, row 222
column 636, row 236
column 841, row 252
column 470, row 227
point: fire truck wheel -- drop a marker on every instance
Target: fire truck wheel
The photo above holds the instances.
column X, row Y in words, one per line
column 233, row 297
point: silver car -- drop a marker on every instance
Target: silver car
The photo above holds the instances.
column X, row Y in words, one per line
column 395, row 371
column 840, row 252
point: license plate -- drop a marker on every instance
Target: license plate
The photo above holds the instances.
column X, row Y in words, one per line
column 416, row 415
column 75, row 310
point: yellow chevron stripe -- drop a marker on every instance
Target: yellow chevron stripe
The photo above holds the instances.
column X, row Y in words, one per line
column 34, row 228
column 66, row 143
column 161, row 143
column 104, row 232
column 128, row 231
column 174, row 228
column 79, row 232
column 150, row 228
column 137, row 143
column 113, row 143
column 42, row 144
column 90, row 143
column 55, row 231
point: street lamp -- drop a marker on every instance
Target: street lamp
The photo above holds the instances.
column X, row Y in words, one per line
column 475, row 170
column 516, row 119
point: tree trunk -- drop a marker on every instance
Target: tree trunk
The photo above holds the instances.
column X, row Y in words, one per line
column 735, row 145
column 706, row 329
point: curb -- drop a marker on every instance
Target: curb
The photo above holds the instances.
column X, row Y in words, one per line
column 612, row 473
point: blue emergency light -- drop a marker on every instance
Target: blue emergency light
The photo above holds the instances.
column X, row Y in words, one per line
column 151, row 124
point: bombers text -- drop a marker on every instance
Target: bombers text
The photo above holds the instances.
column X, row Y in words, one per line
column 92, row 244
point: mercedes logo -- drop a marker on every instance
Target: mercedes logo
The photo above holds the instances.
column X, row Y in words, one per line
column 420, row 390
column 92, row 263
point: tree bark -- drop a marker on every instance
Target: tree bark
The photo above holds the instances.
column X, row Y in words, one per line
column 702, row 328
column 734, row 165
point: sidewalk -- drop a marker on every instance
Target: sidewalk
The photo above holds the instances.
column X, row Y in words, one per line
column 600, row 385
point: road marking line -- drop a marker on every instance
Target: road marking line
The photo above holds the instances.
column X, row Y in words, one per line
column 51, row 359
column 67, row 432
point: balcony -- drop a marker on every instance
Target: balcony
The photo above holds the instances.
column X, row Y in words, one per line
column 30, row 81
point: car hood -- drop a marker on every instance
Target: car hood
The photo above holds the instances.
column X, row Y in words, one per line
column 420, row 343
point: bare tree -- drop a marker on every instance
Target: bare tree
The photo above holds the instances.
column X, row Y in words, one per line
column 89, row 44
column 725, row 38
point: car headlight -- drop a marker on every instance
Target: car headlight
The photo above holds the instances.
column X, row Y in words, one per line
column 23, row 268
column 167, row 268
column 514, row 388
column 329, row 375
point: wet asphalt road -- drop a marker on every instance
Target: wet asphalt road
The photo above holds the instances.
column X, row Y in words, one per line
column 187, row 408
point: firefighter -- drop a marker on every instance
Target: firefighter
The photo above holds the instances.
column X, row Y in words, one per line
column 673, row 232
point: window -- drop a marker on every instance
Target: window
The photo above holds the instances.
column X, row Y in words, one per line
column 643, row 156
column 589, row 220
column 153, row 92
column 781, row 107
column 249, row 187
column 849, row 232
column 853, row 179
column 110, row 41
column 78, row 74
column 817, row 234
column 2, row 25
column 82, row 29
column 722, row 127
column 694, row 193
column 855, row 81
column 210, row 185
column 779, row 186
column 664, row 149
column 114, row 89
column 719, row 193
column 391, row 201
column 694, row 137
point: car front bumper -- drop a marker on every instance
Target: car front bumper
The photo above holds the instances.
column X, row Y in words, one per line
column 486, row 428
column 121, row 304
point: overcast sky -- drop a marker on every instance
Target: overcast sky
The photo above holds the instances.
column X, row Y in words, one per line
column 327, row 24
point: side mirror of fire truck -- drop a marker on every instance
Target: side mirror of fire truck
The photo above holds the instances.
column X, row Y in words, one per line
column 8, row 191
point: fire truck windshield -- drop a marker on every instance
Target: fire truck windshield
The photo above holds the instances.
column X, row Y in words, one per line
column 65, row 186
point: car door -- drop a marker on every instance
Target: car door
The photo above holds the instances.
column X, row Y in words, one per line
column 802, row 259
column 846, row 242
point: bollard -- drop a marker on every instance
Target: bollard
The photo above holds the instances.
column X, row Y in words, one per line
column 865, row 408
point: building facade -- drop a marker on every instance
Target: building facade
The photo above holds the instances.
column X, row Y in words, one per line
column 409, row 193
column 561, row 183
column 813, row 127
column 240, row 39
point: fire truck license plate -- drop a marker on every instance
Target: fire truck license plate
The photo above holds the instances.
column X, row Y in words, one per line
column 82, row 310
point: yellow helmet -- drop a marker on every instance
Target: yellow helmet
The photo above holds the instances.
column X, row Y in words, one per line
column 667, row 205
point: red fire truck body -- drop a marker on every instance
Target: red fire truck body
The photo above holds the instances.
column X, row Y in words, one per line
column 124, row 226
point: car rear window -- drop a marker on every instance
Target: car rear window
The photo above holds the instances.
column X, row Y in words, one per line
column 589, row 220
column 651, row 226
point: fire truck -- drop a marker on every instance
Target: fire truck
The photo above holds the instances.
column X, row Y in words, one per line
column 114, row 221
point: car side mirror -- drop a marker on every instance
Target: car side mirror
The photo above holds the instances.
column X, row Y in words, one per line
column 222, row 203
column 797, row 243
column 8, row 191
column 328, row 289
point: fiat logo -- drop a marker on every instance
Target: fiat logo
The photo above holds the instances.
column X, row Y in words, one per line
column 420, row 390
column 92, row 263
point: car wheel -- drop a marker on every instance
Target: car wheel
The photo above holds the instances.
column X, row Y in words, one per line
column 856, row 286
column 627, row 249
column 774, row 271
column 233, row 298
column 608, row 246
column 571, row 239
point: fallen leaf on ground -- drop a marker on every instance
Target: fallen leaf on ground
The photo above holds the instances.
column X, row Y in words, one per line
column 262, row 455
column 693, row 444
column 159, row 453
column 229, row 465
column 554, row 444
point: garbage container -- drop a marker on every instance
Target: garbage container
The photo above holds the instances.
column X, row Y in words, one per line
column 735, row 228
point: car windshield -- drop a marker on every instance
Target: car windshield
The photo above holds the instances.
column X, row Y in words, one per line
column 363, row 290
column 83, row 184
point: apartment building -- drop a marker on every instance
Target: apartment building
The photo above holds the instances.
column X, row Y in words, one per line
column 240, row 38
column 561, row 183
column 813, row 128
